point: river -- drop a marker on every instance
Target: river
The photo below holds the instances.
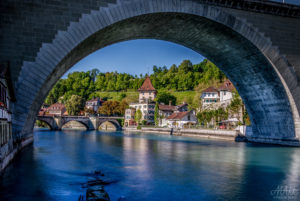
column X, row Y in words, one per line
column 150, row 167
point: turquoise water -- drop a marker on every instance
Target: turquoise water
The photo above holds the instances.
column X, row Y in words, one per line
column 151, row 167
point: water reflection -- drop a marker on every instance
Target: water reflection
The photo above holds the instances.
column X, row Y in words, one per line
column 149, row 167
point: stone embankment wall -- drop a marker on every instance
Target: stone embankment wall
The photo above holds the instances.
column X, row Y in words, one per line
column 207, row 133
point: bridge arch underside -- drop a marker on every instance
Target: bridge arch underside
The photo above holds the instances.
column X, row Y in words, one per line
column 74, row 124
column 246, row 66
column 108, row 125
column 47, row 123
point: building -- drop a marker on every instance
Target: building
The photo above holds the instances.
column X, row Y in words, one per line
column 43, row 109
column 226, row 91
column 146, row 104
column 217, row 97
column 129, row 117
column 181, row 119
column 167, row 110
column 147, row 92
column 6, row 97
column 57, row 109
column 210, row 95
column 147, row 110
column 93, row 104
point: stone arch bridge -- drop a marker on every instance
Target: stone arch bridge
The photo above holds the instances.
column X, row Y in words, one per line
column 256, row 43
column 91, row 123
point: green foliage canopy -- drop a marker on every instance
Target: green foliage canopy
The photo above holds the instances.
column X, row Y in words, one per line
column 75, row 104
column 166, row 97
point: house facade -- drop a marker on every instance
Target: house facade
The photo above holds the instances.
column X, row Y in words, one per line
column 57, row 109
column 93, row 104
column 146, row 104
column 181, row 120
column 217, row 97
column 129, row 117
column 147, row 110
column 6, row 97
column 167, row 110
column 210, row 95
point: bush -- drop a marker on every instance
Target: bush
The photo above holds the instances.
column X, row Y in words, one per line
column 144, row 122
column 139, row 127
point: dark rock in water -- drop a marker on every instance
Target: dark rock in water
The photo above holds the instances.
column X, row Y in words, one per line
column 97, row 172
column 96, row 193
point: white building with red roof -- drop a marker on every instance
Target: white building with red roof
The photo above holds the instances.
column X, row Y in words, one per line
column 167, row 110
column 146, row 104
column 147, row 91
column 181, row 119
column 217, row 97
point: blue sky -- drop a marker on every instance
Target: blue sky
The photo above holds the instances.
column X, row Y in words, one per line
column 136, row 57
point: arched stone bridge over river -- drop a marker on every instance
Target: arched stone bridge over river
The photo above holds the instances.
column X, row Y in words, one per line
column 256, row 43
column 90, row 123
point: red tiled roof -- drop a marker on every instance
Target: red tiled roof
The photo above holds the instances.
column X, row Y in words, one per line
column 211, row 89
column 147, row 85
column 178, row 115
column 227, row 86
column 167, row 107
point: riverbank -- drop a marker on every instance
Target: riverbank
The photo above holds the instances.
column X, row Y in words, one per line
column 204, row 133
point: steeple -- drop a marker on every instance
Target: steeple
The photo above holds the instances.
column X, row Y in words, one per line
column 147, row 85
column 147, row 91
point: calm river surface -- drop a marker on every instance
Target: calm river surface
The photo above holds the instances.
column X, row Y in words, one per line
column 151, row 167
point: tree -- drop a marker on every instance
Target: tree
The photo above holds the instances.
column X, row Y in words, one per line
column 74, row 105
column 110, row 108
column 166, row 97
column 235, row 105
column 138, row 116
column 156, row 114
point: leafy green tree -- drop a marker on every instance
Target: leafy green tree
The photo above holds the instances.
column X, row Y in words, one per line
column 122, row 96
column 166, row 97
column 156, row 114
column 74, row 105
column 114, row 108
column 235, row 105
column 138, row 116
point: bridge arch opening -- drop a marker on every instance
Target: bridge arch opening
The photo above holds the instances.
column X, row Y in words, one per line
column 233, row 45
column 43, row 124
column 108, row 126
column 73, row 124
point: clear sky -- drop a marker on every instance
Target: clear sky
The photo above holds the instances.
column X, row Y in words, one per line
column 136, row 57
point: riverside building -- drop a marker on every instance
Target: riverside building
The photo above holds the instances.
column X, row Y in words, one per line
column 6, row 97
column 146, row 104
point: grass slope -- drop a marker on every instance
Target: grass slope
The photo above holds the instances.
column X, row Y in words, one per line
column 133, row 96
